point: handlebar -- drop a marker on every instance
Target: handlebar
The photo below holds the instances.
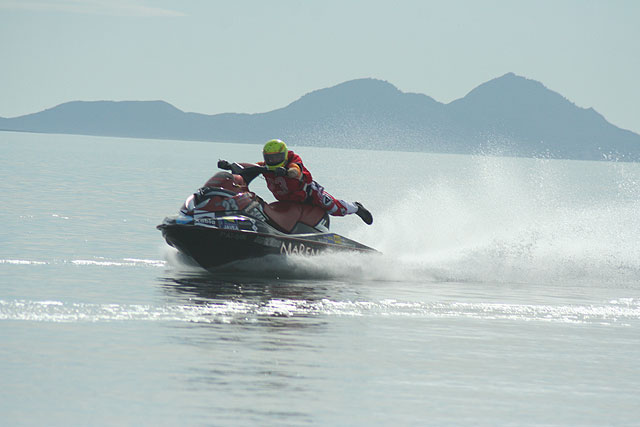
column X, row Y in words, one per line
column 248, row 172
column 243, row 171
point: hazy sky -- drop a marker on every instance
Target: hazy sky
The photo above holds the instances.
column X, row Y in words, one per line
column 212, row 56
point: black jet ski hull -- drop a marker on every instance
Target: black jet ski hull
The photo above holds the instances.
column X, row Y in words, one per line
column 212, row 247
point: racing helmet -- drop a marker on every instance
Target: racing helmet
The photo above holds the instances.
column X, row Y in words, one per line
column 275, row 154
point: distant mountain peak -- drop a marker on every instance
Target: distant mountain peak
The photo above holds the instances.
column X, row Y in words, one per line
column 361, row 88
column 506, row 82
column 157, row 105
column 366, row 83
column 508, row 91
column 366, row 94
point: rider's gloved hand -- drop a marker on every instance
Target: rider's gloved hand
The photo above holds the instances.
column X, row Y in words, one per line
column 223, row 164
column 294, row 173
column 280, row 171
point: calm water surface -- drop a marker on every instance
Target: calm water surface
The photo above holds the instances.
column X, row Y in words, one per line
column 508, row 292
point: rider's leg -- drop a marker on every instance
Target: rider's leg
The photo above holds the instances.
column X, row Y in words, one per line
column 335, row 207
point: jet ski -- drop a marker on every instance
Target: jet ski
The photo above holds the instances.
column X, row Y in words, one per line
column 224, row 222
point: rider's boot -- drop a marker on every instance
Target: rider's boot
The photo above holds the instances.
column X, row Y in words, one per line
column 364, row 214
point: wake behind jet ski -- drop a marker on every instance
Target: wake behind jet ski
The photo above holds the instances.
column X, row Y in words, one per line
column 224, row 222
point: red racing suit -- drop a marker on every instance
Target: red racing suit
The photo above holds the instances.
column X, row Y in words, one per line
column 285, row 188
column 304, row 189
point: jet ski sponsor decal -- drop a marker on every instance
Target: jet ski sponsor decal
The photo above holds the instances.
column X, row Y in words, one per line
column 184, row 219
column 219, row 223
column 332, row 238
column 297, row 249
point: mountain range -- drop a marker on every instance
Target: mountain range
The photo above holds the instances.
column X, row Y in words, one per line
column 510, row 115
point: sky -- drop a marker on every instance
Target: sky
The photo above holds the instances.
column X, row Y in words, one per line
column 248, row 56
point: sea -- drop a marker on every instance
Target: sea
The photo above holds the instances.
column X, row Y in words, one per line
column 506, row 293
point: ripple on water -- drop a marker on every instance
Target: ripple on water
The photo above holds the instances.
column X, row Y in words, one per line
column 620, row 311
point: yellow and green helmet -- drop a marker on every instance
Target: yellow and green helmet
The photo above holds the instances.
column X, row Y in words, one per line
column 275, row 154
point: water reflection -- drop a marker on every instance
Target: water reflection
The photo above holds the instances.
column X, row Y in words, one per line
column 205, row 286
column 251, row 300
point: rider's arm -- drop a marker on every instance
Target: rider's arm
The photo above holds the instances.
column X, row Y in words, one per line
column 294, row 171
column 247, row 171
column 300, row 172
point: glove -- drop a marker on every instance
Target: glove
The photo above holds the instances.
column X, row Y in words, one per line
column 281, row 171
column 223, row 164
column 293, row 173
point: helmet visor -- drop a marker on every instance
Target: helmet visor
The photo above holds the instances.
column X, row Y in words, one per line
column 274, row 159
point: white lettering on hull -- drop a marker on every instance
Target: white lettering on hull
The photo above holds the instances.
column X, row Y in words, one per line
column 297, row 249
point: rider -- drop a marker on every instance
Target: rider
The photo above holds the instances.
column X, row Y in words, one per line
column 288, row 179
